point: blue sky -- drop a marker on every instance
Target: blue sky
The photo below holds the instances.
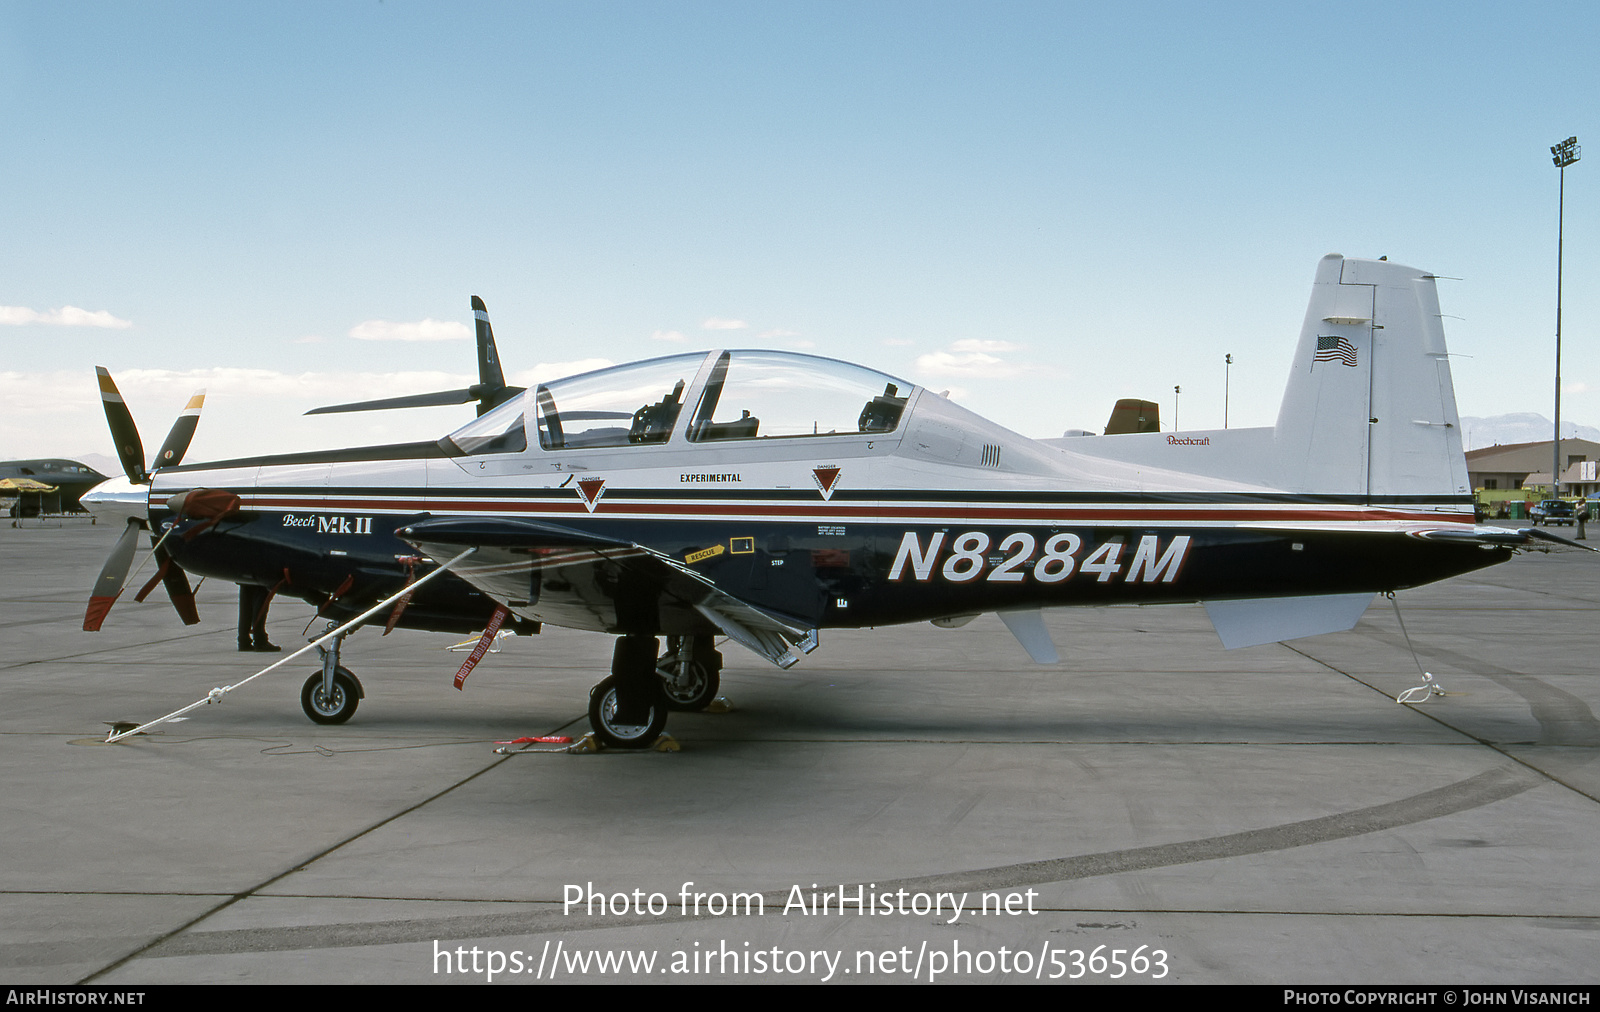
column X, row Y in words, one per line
column 1042, row 207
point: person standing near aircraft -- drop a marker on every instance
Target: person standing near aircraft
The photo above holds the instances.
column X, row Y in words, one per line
column 254, row 600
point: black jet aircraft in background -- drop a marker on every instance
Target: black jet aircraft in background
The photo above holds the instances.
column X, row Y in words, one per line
column 70, row 479
column 766, row 496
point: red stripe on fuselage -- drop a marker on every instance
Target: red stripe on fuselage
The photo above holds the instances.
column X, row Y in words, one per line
column 865, row 512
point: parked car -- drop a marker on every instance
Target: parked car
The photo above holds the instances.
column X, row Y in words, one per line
column 1553, row 511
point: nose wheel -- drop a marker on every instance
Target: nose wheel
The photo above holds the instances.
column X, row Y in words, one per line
column 331, row 706
column 330, row 696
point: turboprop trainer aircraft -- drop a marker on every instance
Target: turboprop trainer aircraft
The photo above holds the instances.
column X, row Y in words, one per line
column 765, row 496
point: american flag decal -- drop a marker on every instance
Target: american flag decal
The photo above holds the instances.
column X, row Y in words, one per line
column 1335, row 349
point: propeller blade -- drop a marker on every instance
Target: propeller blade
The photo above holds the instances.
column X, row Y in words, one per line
column 172, row 451
column 113, row 575
column 123, row 432
column 182, row 595
column 177, row 584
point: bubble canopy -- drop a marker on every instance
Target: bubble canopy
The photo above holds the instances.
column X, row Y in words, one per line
column 736, row 395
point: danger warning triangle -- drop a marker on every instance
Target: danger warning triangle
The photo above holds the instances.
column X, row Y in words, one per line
column 827, row 479
column 589, row 490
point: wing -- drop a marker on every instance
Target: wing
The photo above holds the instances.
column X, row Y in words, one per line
column 572, row 578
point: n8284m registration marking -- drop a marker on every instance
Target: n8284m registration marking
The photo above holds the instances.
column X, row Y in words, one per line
column 1023, row 555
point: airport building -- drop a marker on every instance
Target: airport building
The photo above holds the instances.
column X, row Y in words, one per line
column 1514, row 466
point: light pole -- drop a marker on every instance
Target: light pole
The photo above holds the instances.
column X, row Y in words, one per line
column 1227, row 371
column 1563, row 154
column 1175, row 392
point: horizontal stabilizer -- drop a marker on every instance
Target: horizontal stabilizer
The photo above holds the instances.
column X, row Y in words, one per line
column 492, row 398
column 410, row 401
column 490, row 391
column 1525, row 538
column 1556, row 541
column 1254, row 621
column 1478, row 536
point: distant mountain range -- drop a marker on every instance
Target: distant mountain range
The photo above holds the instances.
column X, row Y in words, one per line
column 1518, row 427
column 102, row 463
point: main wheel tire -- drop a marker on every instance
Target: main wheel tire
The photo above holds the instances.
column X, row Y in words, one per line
column 603, row 718
column 695, row 692
column 331, row 708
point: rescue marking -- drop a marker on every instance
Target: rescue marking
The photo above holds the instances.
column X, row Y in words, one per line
column 703, row 554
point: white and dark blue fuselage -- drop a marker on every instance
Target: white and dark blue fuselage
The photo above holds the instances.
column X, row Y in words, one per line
column 765, row 496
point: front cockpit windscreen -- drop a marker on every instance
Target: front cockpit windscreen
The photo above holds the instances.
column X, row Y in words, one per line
column 498, row 431
column 760, row 394
column 624, row 406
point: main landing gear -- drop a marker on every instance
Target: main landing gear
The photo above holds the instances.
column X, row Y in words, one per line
column 690, row 671
column 330, row 696
column 629, row 709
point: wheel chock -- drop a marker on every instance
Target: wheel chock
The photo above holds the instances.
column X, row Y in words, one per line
column 719, row 705
column 589, row 744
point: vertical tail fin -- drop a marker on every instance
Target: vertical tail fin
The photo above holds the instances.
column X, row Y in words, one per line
column 491, row 380
column 1370, row 408
column 491, row 389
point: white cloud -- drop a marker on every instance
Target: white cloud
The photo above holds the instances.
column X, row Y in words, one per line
column 966, row 365
column 1579, row 387
column 66, row 316
column 544, row 372
column 248, row 411
column 427, row 330
column 668, row 335
column 975, row 345
column 58, row 414
column 718, row 323
column 322, row 387
column 777, row 332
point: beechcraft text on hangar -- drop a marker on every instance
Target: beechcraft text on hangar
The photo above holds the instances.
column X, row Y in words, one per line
column 329, row 525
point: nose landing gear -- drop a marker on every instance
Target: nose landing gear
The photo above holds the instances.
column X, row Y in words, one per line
column 330, row 696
